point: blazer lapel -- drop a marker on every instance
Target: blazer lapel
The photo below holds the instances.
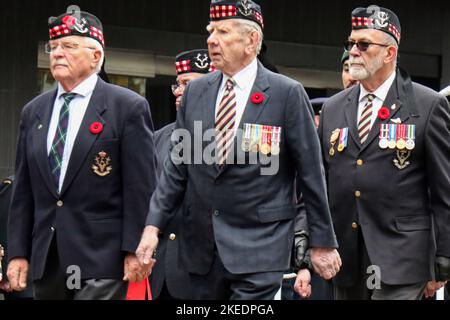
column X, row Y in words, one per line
column 253, row 111
column 351, row 114
column 39, row 137
column 85, row 139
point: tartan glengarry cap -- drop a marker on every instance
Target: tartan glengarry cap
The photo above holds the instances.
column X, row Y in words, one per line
column 76, row 23
column 193, row 61
column 236, row 9
column 379, row 18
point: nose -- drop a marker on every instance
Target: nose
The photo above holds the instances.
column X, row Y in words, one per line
column 212, row 40
column 354, row 51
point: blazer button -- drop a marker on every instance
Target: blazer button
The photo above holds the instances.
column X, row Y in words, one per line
column 359, row 162
column 354, row 225
column 357, row 194
column 172, row 236
column 60, row 203
column 216, row 213
column 52, row 228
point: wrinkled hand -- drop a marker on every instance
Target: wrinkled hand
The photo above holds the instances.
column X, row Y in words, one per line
column 17, row 274
column 326, row 262
column 147, row 247
column 303, row 283
column 133, row 270
column 432, row 287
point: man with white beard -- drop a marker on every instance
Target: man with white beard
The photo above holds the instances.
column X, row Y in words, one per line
column 386, row 151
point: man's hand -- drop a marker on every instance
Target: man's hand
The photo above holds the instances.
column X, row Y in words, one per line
column 303, row 283
column 5, row 286
column 133, row 270
column 17, row 274
column 147, row 247
column 326, row 262
column 432, row 287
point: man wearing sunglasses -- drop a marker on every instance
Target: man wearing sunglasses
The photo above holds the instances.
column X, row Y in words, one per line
column 386, row 150
column 169, row 280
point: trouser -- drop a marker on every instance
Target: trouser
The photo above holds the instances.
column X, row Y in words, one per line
column 360, row 290
column 220, row 284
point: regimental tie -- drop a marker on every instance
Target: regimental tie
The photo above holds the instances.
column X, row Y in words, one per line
column 225, row 119
column 57, row 150
column 364, row 123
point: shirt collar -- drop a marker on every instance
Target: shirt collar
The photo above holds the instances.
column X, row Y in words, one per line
column 84, row 89
column 382, row 91
column 244, row 77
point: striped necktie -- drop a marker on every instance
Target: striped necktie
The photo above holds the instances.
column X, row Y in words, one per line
column 225, row 119
column 57, row 150
column 365, row 120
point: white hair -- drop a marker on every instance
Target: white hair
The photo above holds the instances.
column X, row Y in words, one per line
column 248, row 27
column 92, row 43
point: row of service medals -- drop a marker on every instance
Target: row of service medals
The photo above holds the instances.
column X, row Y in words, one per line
column 397, row 136
column 262, row 138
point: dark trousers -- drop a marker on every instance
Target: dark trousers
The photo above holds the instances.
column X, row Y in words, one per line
column 220, row 284
column 53, row 284
column 360, row 290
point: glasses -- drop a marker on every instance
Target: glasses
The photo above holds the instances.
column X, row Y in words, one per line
column 361, row 45
column 70, row 47
column 176, row 87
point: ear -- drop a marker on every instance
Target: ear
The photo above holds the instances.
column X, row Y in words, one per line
column 253, row 42
column 97, row 56
column 391, row 54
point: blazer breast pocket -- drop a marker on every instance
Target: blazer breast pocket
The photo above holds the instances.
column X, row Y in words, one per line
column 273, row 214
column 413, row 223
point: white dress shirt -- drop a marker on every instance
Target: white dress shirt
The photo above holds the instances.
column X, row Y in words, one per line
column 380, row 95
column 77, row 109
column 244, row 80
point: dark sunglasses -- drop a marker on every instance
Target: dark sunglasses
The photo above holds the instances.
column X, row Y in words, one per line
column 361, row 45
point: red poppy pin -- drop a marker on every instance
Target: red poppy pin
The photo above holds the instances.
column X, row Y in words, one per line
column 69, row 21
column 96, row 127
column 383, row 113
column 257, row 98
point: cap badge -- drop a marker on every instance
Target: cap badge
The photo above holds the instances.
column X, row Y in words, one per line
column 382, row 19
column 245, row 8
column 201, row 61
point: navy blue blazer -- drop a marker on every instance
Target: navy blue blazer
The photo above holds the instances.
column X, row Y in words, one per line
column 96, row 219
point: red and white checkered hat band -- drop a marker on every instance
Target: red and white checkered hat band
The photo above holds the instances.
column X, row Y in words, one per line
column 217, row 12
column 97, row 34
column 368, row 22
column 58, row 31
column 63, row 30
column 183, row 66
column 260, row 19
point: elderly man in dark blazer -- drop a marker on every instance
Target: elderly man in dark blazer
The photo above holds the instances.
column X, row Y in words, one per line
column 169, row 279
column 386, row 149
column 83, row 184
column 237, row 182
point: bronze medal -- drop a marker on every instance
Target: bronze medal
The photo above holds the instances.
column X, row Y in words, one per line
column 401, row 144
column 265, row 148
column 331, row 151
